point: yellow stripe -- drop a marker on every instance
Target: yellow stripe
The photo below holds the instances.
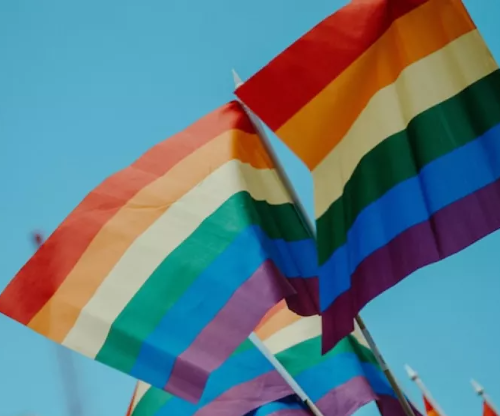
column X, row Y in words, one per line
column 148, row 251
column 136, row 216
column 320, row 125
column 419, row 87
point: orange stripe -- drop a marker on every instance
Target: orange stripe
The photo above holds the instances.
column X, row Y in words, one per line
column 40, row 278
column 281, row 319
column 269, row 315
column 133, row 219
column 327, row 118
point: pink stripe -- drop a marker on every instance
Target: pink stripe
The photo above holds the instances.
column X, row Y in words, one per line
column 243, row 398
column 264, row 289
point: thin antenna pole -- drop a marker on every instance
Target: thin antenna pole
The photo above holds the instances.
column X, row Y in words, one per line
column 312, row 231
column 66, row 366
column 416, row 379
column 481, row 393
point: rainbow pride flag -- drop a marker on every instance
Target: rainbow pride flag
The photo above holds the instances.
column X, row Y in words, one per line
column 340, row 382
column 166, row 267
column 395, row 108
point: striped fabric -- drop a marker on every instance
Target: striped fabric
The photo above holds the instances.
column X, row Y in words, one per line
column 395, row 108
column 339, row 383
column 167, row 266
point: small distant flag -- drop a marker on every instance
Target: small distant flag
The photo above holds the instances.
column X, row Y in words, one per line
column 133, row 401
column 429, row 409
column 488, row 409
column 166, row 267
column 431, row 406
column 395, row 108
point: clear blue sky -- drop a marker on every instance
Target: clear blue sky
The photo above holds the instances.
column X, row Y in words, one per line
column 87, row 86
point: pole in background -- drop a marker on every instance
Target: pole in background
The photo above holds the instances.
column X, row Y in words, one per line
column 425, row 392
column 312, row 231
column 481, row 393
column 66, row 365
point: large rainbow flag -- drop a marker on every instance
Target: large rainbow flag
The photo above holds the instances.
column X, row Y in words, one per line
column 166, row 267
column 395, row 108
column 339, row 383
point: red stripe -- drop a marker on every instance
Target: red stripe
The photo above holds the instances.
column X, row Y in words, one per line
column 28, row 292
column 299, row 73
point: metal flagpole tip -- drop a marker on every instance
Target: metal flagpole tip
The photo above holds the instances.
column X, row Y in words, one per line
column 477, row 387
column 37, row 238
column 236, row 78
column 411, row 373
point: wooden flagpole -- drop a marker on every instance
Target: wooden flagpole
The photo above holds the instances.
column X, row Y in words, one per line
column 416, row 379
column 481, row 393
column 312, row 231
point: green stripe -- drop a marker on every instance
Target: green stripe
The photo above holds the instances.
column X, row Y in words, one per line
column 307, row 354
column 152, row 401
column 430, row 135
column 155, row 399
column 177, row 272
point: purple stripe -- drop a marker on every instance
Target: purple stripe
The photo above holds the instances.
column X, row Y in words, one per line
column 389, row 406
column 249, row 396
column 448, row 231
column 347, row 398
column 306, row 301
column 264, row 289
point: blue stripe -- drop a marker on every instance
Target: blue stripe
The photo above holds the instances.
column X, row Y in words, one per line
column 336, row 371
column 209, row 293
column 236, row 370
column 290, row 403
column 440, row 183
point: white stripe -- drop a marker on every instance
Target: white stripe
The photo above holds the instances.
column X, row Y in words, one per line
column 419, row 87
column 159, row 240
column 297, row 332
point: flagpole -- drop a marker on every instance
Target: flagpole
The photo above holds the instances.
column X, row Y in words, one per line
column 306, row 219
column 481, row 393
column 285, row 374
column 416, row 379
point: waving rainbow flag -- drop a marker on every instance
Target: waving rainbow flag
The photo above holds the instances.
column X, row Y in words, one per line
column 395, row 108
column 340, row 382
column 166, row 267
